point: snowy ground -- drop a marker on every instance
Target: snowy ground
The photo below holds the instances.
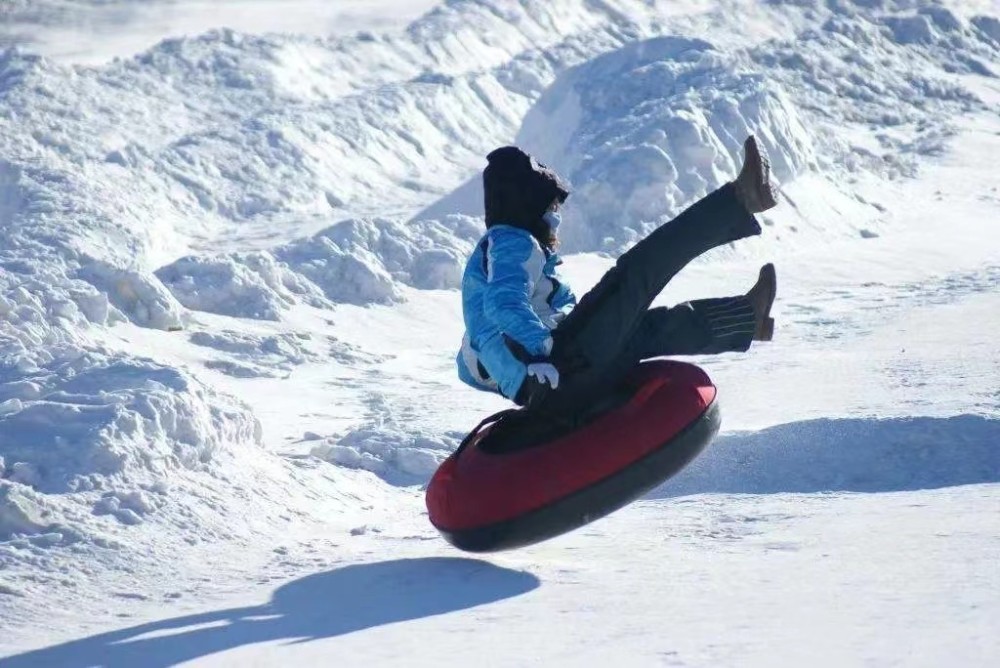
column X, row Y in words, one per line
column 228, row 320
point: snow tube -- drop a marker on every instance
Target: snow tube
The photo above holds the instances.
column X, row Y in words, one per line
column 498, row 493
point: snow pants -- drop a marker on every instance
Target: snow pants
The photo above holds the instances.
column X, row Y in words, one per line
column 613, row 328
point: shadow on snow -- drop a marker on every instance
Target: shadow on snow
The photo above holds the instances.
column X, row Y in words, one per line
column 318, row 606
column 853, row 455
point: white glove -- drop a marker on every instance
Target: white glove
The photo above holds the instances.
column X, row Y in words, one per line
column 544, row 373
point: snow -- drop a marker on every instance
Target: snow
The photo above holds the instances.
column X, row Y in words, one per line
column 229, row 264
column 94, row 31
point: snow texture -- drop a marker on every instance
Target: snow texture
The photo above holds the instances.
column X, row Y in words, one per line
column 230, row 240
column 390, row 451
column 645, row 130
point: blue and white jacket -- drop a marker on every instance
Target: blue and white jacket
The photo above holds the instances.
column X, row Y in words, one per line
column 511, row 297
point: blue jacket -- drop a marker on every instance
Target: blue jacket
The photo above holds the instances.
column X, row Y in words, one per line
column 511, row 295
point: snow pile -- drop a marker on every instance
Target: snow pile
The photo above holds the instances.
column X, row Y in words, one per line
column 87, row 422
column 363, row 260
column 644, row 131
column 256, row 355
column 884, row 70
column 226, row 137
column 92, row 414
column 138, row 295
column 356, row 261
column 248, row 285
column 398, row 455
column 79, row 419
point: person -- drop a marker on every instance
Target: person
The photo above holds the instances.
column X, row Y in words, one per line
column 528, row 338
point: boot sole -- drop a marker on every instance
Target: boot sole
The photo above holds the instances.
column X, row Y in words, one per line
column 769, row 277
column 761, row 174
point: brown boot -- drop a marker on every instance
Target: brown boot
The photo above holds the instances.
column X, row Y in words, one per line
column 761, row 297
column 753, row 185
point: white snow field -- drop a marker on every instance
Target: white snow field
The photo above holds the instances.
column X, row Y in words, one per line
column 229, row 312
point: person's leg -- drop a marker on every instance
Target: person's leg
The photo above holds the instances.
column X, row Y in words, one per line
column 602, row 325
column 699, row 327
column 703, row 326
column 607, row 314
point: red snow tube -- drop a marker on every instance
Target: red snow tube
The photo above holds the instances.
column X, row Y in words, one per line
column 484, row 498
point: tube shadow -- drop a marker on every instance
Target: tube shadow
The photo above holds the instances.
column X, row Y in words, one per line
column 318, row 606
column 854, row 455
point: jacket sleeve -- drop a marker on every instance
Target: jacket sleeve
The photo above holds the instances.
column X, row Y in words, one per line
column 511, row 275
column 563, row 299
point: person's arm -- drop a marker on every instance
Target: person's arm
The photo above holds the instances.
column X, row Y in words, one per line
column 562, row 300
column 511, row 277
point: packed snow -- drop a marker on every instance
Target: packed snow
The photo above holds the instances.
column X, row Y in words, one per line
column 230, row 247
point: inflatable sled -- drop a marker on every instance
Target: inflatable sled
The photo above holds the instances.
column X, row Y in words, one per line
column 515, row 481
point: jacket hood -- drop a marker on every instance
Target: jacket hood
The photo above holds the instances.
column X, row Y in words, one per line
column 518, row 189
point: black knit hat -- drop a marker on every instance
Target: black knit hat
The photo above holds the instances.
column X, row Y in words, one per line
column 518, row 189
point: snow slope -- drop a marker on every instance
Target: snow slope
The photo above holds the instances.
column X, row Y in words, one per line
column 228, row 317
column 95, row 31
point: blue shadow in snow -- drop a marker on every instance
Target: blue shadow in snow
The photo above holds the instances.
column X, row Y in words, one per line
column 318, row 606
column 849, row 455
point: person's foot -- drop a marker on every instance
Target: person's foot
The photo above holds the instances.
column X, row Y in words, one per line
column 761, row 297
column 753, row 185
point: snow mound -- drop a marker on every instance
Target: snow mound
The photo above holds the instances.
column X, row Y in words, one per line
column 885, row 69
column 256, row 355
column 245, row 285
column 644, row 131
column 857, row 455
column 360, row 261
column 141, row 297
column 399, row 456
column 79, row 419
column 357, row 261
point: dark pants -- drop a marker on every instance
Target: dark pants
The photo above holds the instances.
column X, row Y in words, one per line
column 612, row 327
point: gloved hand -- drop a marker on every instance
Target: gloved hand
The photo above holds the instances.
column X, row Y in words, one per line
column 544, row 372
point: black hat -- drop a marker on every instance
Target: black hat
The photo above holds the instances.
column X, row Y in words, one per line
column 518, row 189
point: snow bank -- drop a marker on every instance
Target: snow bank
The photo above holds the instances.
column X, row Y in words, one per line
column 247, row 285
column 398, row 455
column 87, row 421
column 886, row 70
column 94, row 413
column 644, row 131
column 256, row 355
column 356, row 261
column 79, row 419
column 362, row 260
column 137, row 294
